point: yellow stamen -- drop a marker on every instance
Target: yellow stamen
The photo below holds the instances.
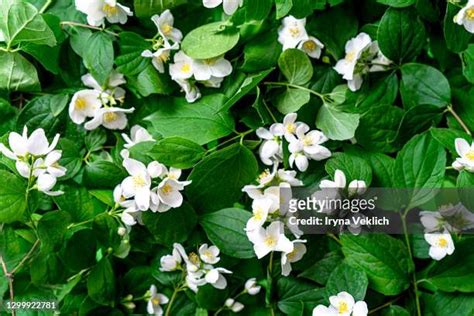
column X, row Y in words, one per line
column 258, row 214
column 443, row 243
column 155, row 301
column 291, row 128
column 110, row 117
column 166, row 189
column 194, row 258
column 309, row 46
column 138, row 181
column 307, row 141
column 470, row 155
column 343, row 308
column 294, row 31
column 263, row 175
column 270, row 241
column 350, row 56
column 470, row 14
column 186, row 68
column 166, row 29
column 80, row 104
column 210, row 61
column 109, row 10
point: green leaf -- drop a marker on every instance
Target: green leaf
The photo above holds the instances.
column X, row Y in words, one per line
column 22, row 23
column 423, row 84
column 210, row 188
column 295, row 66
column 17, row 73
column 44, row 112
column 349, row 279
column 467, row 58
column 335, row 124
column 47, row 268
column 99, row 56
column 397, row 3
column 420, row 165
column 177, row 152
column 210, row 40
column 291, row 100
column 101, row 283
column 354, row 168
column 457, row 38
column 384, row 259
column 51, row 229
column 394, row 310
column 295, row 296
column 205, row 120
column 225, row 228
column 283, row 7
column 455, row 272
column 261, row 53
column 130, row 61
column 77, row 201
column 147, row 8
column 163, row 225
column 447, row 136
column 95, row 140
column 79, row 252
column 103, row 174
column 401, row 34
column 321, row 270
column 465, row 183
column 378, row 128
column 149, row 81
column 448, row 304
column 12, row 197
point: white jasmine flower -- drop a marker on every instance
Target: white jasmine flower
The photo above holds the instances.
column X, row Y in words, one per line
column 466, row 155
column 110, row 117
column 311, row 46
column 205, row 69
column 356, row 187
column 155, row 302
column 161, row 56
column 45, row 183
column 191, row 90
column 138, row 134
column 168, row 192
column 110, row 92
column 292, row 32
column 288, row 127
column 83, row 104
column 271, row 193
column 270, row 150
column 307, row 145
column 441, row 245
column 270, row 239
column 98, row 10
column 216, row 279
column 130, row 216
column 209, row 254
column 137, row 184
column 260, row 210
column 183, row 66
column 342, row 304
column 171, row 262
column 465, row 16
column 50, row 164
column 233, row 305
column 251, row 286
column 287, row 258
column 359, row 51
column 432, row 221
column 21, row 145
column 230, row 6
column 289, row 177
column 164, row 23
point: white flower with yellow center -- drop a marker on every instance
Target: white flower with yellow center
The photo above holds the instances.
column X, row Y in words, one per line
column 307, row 145
column 342, row 304
column 84, row 103
column 260, row 210
column 205, row 69
column 161, row 56
column 110, row 117
column 441, row 245
column 272, row 238
column 287, row 258
column 465, row 16
column 311, row 46
column 137, row 184
column 465, row 161
column 138, row 135
column 292, row 32
column 156, row 300
column 288, row 127
column 169, row 193
column 98, row 10
column 209, row 254
column 183, row 66
column 230, row 6
column 110, row 93
column 165, row 25
column 347, row 66
column 50, row 164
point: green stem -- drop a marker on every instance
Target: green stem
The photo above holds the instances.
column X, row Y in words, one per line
column 407, row 240
column 71, row 23
column 384, row 305
column 269, row 111
column 239, row 136
column 331, row 235
column 286, row 84
column 173, row 298
column 26, row 257
column 458, row 119
column 45, row 6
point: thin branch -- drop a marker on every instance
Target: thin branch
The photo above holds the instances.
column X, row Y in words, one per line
column 45, row 6
column 71, row 23
column 9, row 276
column 26, row 257
column 459, row 120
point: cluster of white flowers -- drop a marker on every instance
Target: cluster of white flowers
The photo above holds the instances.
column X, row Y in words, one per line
column 465, row 161
column 362, row 56
column 153, row 187
column 293, row 34
column 99, row 10
column 184, row 70
column 438, row 226
column 465, row 16
column 36, row 159
column 100, row 103
column 230, row 6
column 355, row 187
column 199, row 268
column 304, row 145
column 342, row 304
